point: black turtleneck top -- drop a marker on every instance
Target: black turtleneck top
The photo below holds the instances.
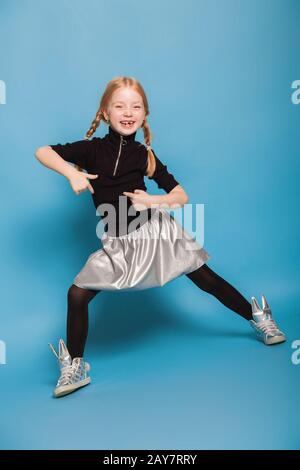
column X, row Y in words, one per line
column 120, row 163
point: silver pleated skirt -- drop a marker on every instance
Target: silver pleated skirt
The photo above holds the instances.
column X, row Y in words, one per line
column 150, row 256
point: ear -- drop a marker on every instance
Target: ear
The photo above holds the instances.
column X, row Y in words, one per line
column 104, row 114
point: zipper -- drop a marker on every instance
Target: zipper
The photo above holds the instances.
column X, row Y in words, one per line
column 117, row 161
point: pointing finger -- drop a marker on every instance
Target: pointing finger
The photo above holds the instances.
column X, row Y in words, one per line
column 88, row 175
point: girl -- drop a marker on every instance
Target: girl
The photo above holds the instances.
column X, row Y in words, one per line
column 143, row 247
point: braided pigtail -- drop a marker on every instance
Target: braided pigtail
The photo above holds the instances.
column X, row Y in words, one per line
column 147, row 139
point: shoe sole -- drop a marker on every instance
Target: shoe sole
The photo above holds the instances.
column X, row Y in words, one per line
column 64, row 390
column 279, row 339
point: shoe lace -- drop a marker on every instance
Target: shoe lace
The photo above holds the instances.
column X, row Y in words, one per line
column 268, row 326
column 66, row 375
column 69, row 372
column 53, row 350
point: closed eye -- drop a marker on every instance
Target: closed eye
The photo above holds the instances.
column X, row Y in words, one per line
column 118, row 106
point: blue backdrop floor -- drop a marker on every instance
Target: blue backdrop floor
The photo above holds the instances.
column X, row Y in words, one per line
column 160, row 380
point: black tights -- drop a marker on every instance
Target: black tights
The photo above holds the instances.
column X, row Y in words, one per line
column 78, row 319
column 204, row 277
column 211, row 282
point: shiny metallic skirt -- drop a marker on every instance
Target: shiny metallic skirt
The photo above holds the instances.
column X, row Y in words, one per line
column 150, row 256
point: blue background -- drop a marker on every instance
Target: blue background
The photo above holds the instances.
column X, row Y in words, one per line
column 171, row 367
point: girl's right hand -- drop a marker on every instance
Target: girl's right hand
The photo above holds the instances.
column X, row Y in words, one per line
column 79, row 182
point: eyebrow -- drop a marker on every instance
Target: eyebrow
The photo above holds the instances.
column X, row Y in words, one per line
column 124, row 102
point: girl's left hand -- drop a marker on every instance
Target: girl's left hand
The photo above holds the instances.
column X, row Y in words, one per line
column 140, row 199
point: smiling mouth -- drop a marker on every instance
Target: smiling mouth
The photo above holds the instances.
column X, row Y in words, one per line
column 127, row 124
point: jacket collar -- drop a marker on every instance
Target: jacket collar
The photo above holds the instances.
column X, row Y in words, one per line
column 114, row 137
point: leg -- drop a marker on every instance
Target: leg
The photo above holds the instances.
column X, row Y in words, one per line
column 77, row 320
column 207, row 280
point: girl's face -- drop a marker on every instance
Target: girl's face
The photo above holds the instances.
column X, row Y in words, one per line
column 126, row 105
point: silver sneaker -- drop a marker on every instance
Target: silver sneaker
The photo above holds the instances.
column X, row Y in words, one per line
column 263, row 323
column 73, row 374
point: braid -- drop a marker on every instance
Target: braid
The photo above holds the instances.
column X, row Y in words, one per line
column 95, row 123
column 147, row 139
